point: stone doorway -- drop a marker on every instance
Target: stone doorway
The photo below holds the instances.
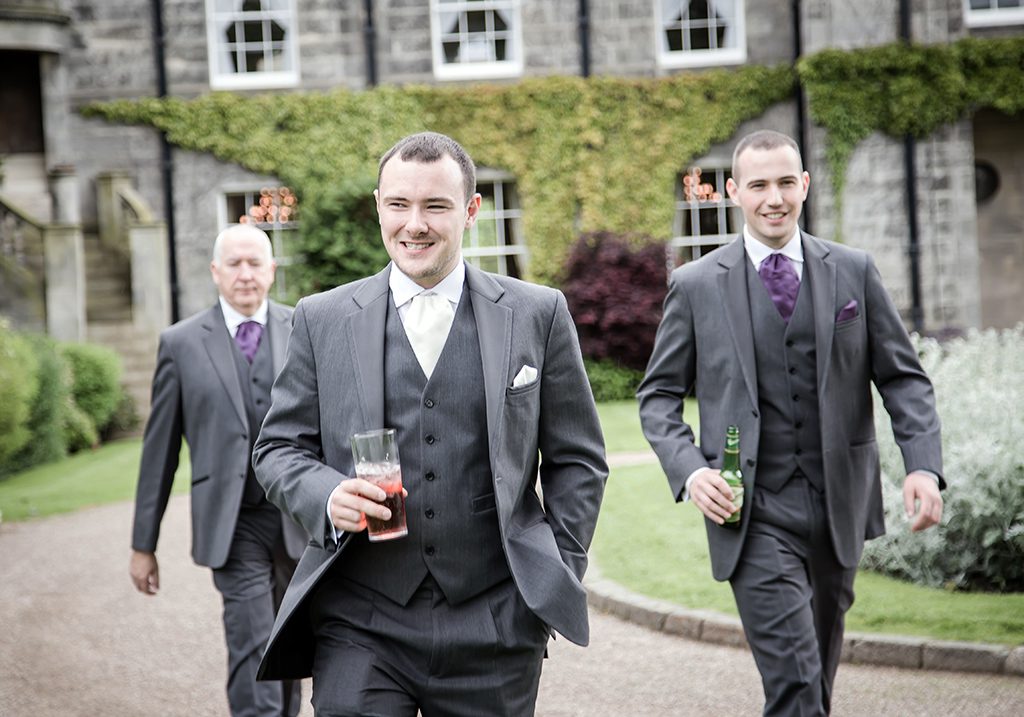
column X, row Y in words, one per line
column 999, row 180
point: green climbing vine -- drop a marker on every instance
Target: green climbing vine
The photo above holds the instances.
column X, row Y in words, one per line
column 905, row 89
column 597, row 154
column 587, row 155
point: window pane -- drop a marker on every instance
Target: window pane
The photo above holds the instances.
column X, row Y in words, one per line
column 705, row 217
column 494, row 242
column 477, row 32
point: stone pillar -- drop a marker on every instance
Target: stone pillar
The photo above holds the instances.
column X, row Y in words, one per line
column 65, row 282
column 64, row 191
column 151, row 288
column 110, row 187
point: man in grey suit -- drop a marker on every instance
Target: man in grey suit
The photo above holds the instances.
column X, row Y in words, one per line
column 212, row 387
column 782, row 334
column 452, row 619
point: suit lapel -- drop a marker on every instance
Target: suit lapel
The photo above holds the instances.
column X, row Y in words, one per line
column 732, row 286
column 823, row 296
column 219, row 348
column 494, row 328
column 366, row 330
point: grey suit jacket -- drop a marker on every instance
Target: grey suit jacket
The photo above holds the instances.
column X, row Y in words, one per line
column 332, row 386
column 705, row 347
column 197, row 395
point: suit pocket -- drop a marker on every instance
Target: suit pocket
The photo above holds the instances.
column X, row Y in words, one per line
column 484, row 504
column 848, row 324
column 514, row 391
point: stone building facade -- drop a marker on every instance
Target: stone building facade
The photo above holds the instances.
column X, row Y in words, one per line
column 67, row 53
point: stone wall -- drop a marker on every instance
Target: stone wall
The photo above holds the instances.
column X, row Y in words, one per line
column 110, row 54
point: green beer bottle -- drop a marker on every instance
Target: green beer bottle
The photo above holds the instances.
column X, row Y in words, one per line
column 731, row 471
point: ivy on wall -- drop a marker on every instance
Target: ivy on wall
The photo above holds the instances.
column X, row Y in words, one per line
column 597, row 154
column 587, row 154
column 904, row 89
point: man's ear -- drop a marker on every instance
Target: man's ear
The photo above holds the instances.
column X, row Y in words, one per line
column 732, row 188
column 473, row 210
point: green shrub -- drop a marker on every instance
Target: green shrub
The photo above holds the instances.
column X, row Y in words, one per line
column 46, row 417
column 125, row 419
column 610, row 381
column 339, row 237
column 79, row 430
column 614, row 287
column 18, row 382
column 979, row 386
column 95, row 376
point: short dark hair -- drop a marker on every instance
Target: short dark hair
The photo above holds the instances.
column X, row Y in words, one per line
column 764, row 139
column 428, row 147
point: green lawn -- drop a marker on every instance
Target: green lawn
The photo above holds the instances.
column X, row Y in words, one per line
column 657, row 547
column 644, row 540
column 105, row 475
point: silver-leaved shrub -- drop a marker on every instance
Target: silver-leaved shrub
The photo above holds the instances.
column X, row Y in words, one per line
column 979, row 387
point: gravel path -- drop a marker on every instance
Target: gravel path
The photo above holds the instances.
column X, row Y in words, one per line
column 76, row 639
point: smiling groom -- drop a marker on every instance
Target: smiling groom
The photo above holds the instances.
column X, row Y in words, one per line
column 482, row 378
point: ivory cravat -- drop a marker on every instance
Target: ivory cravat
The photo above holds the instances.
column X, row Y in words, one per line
column 248, row 338
column 780, row 279
column 427, row 325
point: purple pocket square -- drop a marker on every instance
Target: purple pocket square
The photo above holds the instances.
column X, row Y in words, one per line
column 847, row 312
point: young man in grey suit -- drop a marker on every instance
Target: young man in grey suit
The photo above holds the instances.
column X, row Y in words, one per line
column 212, row 388
column 782, row 334
column 452, row 619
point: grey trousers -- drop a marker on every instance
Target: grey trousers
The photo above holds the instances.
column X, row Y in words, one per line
column 251, row 584
column 792, row 597
column 375, row 658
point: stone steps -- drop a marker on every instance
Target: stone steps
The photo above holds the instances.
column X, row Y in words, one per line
column 137, row 348
column 108, row 286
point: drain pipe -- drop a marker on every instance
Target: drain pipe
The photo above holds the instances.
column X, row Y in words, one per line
column 584, row 29
column 166, row 158
column 801, row 115
column 910, row 172
column 370, row 41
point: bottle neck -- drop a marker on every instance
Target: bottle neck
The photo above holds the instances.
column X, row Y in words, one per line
column 731, row 459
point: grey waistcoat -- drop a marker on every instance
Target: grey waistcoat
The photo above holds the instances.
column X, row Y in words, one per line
column 787, row 380
column 256, row 379
column 442, row 444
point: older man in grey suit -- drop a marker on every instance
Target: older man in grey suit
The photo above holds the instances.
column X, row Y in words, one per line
column 452, row 619
column 212, row 387
column 782, row 334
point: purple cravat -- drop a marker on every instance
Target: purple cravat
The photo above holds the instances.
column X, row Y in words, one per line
column 248, row 338
column 779, row 278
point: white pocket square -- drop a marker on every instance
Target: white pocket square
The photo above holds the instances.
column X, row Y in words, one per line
column 526, row 376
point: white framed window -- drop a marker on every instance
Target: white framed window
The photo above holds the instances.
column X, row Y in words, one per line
column 990, row 13
column 252, row 44
column 705, row 217
column 698, row 33
column 476, row 39
column 275, row 210
column 495, row 242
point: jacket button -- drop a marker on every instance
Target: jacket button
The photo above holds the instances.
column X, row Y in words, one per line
column 430, row 439
column 429, row 403
column 429, row 512
column 750, row 462
column 430, row 475
column 429, row 550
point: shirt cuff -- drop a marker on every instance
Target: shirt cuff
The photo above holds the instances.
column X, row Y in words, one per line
column 332, row 532
column 689, row 479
